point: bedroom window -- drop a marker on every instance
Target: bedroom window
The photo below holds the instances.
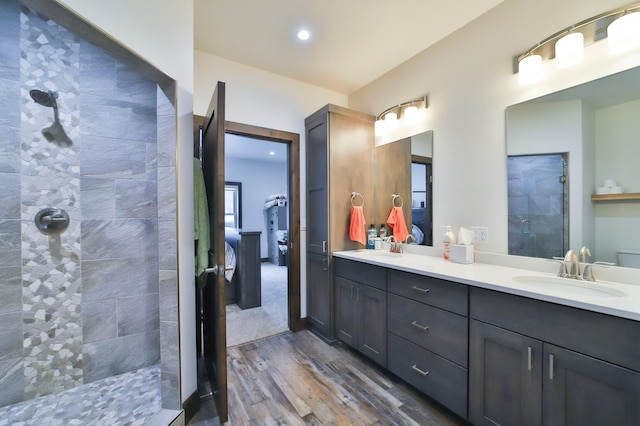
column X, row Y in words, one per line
column 233, row 204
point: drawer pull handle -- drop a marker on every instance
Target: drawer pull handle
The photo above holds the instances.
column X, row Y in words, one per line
column 417, row 370
column 529, row 361
column 421, row 327
column 371, row 349
column 422, row 290
column 550, row 366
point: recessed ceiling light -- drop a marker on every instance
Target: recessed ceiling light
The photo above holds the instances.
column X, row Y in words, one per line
column 272, row 153
column 304, row 35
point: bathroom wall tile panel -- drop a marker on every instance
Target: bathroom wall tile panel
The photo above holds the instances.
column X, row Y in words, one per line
column 11, row 335
column 133, row 87
column 169, row 358
column 119, row 239
column 138, row 314
column 9, row 195
column 99, row 320
column 152, row 162
column 98, row 198
column 170, row 390
column 166, row 193
column 9, row 147
column 168, row 296
column 167, row 248
column 97, row 71
column 10, row 105
column 165, row 93
column 117, row 119
column 136, row 199
column 166, row 140
column 10, row 242
column 10, row 289
column 11, row 381
column 113, row 158
column 10, row 39
column 109, row 278
column 116, row 356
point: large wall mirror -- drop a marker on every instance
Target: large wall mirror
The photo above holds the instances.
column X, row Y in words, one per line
column 563, row 149
column 404, row 168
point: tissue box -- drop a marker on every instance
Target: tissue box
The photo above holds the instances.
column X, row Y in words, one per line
column 461, row 254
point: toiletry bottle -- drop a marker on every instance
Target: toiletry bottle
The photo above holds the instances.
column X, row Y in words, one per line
column 448, row 239
column 371, row 235
column 383, row 232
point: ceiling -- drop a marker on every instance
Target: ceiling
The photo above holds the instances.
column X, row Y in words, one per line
column 353, row 42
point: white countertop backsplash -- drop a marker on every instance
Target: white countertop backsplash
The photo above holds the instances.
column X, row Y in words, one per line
column 496, row 272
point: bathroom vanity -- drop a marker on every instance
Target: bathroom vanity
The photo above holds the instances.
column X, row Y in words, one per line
column 495, row 344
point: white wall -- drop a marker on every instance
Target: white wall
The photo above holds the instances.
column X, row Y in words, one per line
column 259, row 180
column 161, row 31
column 469, row 79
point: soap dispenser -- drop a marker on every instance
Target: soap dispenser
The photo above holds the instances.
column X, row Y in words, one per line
column 448, row 239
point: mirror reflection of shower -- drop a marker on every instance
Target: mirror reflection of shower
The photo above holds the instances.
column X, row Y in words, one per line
column 54, row 133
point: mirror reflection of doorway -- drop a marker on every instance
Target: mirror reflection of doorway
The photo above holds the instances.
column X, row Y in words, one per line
column 421, row 199
column 538, row 205
column 259, row 168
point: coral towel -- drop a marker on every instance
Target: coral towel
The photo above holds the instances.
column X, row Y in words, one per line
column 356, row 229
column 397, row 223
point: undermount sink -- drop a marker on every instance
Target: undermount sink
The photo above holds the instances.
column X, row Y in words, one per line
column 380, row 253
column 571, row 286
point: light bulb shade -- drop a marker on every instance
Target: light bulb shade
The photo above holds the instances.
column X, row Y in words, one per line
column 380, row 127
column 530, row 69
column 570, row 50
column 624, row 33
column 391, row 117
column 411, row 113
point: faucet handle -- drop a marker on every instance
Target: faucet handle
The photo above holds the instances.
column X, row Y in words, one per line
column 563, row 267
column 587, row 273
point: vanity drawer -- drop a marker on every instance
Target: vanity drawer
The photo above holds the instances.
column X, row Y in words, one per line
column 446, row 334
column 437, row 377
column 432, row 291
column 371, row 275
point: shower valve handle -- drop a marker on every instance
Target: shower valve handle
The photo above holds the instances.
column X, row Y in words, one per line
column 52, row 220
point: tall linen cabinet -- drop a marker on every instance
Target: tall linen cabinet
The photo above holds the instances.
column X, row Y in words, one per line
column 339, row 161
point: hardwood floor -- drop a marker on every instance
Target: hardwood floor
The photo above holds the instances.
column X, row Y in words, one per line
column 296, row 379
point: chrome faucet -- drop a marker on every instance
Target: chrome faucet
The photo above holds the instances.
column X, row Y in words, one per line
column 406, row 239
column 394, row 245
column 574, row 264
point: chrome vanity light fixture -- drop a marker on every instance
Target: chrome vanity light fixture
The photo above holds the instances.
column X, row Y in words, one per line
column 407, row 112
column 621, row 27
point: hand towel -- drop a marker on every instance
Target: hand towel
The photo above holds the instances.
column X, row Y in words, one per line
column 397, row 223
column 356, row 229
column 201, row 223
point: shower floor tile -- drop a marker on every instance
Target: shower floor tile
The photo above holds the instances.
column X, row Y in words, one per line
column 128, row 399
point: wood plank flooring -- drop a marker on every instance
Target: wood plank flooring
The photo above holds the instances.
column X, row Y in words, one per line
column 296, row 379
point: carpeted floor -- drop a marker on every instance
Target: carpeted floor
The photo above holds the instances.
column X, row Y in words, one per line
column 267, row 320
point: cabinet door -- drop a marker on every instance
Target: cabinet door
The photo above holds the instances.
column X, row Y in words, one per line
column 317, row 186
column 580, row 390
column 505, row 377
column 346, row 311
column 319, row 295
column 373, row 331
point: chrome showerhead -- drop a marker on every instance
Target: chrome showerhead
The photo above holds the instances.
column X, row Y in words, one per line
column 47, row 99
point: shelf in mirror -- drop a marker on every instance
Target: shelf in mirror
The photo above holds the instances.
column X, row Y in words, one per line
column 617, row 197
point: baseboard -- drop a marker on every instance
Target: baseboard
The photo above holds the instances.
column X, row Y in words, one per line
column 301, row 324
column 191, row 406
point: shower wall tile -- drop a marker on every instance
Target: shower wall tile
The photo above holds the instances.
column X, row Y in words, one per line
column 119, row 238
column 138, row 314
column 170, row 391
column 133, row 87
column 123, row 354
column 10, row 196
column 113, row 158
column 113, row 278
column 98, row 198
column 10, row 243
column 99, row 320
column 10, row 39
column 10, row 289
column 152, row 162
column 9, row 148
column 167, row 248
column 117, row 119
column 167, row 193
column 11, row 335
column 170, row 360
column 97, row 71
column 136, row 199
column 11, row 381
column 10, row 105
column 165, row 94
column 166, row 140
column 168, row 296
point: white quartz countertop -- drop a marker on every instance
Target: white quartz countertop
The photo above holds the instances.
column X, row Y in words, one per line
column 618, row 299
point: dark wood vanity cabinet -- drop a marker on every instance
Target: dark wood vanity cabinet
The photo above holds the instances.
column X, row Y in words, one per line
column 361, row 308
column 427, row 336
column 537, row 363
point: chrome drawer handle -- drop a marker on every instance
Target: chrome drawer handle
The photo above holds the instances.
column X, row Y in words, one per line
column 417, row 370
column 421, row 327
column 422, row 290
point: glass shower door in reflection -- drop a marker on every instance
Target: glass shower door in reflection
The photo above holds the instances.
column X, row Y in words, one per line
column 538, row 205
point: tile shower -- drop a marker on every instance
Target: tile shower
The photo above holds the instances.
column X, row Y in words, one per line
column 82, row 307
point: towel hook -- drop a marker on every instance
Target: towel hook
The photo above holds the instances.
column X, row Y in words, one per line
column 353, row 197
column 393, row 200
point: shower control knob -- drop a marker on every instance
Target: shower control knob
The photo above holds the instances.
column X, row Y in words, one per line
column 52, row 220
